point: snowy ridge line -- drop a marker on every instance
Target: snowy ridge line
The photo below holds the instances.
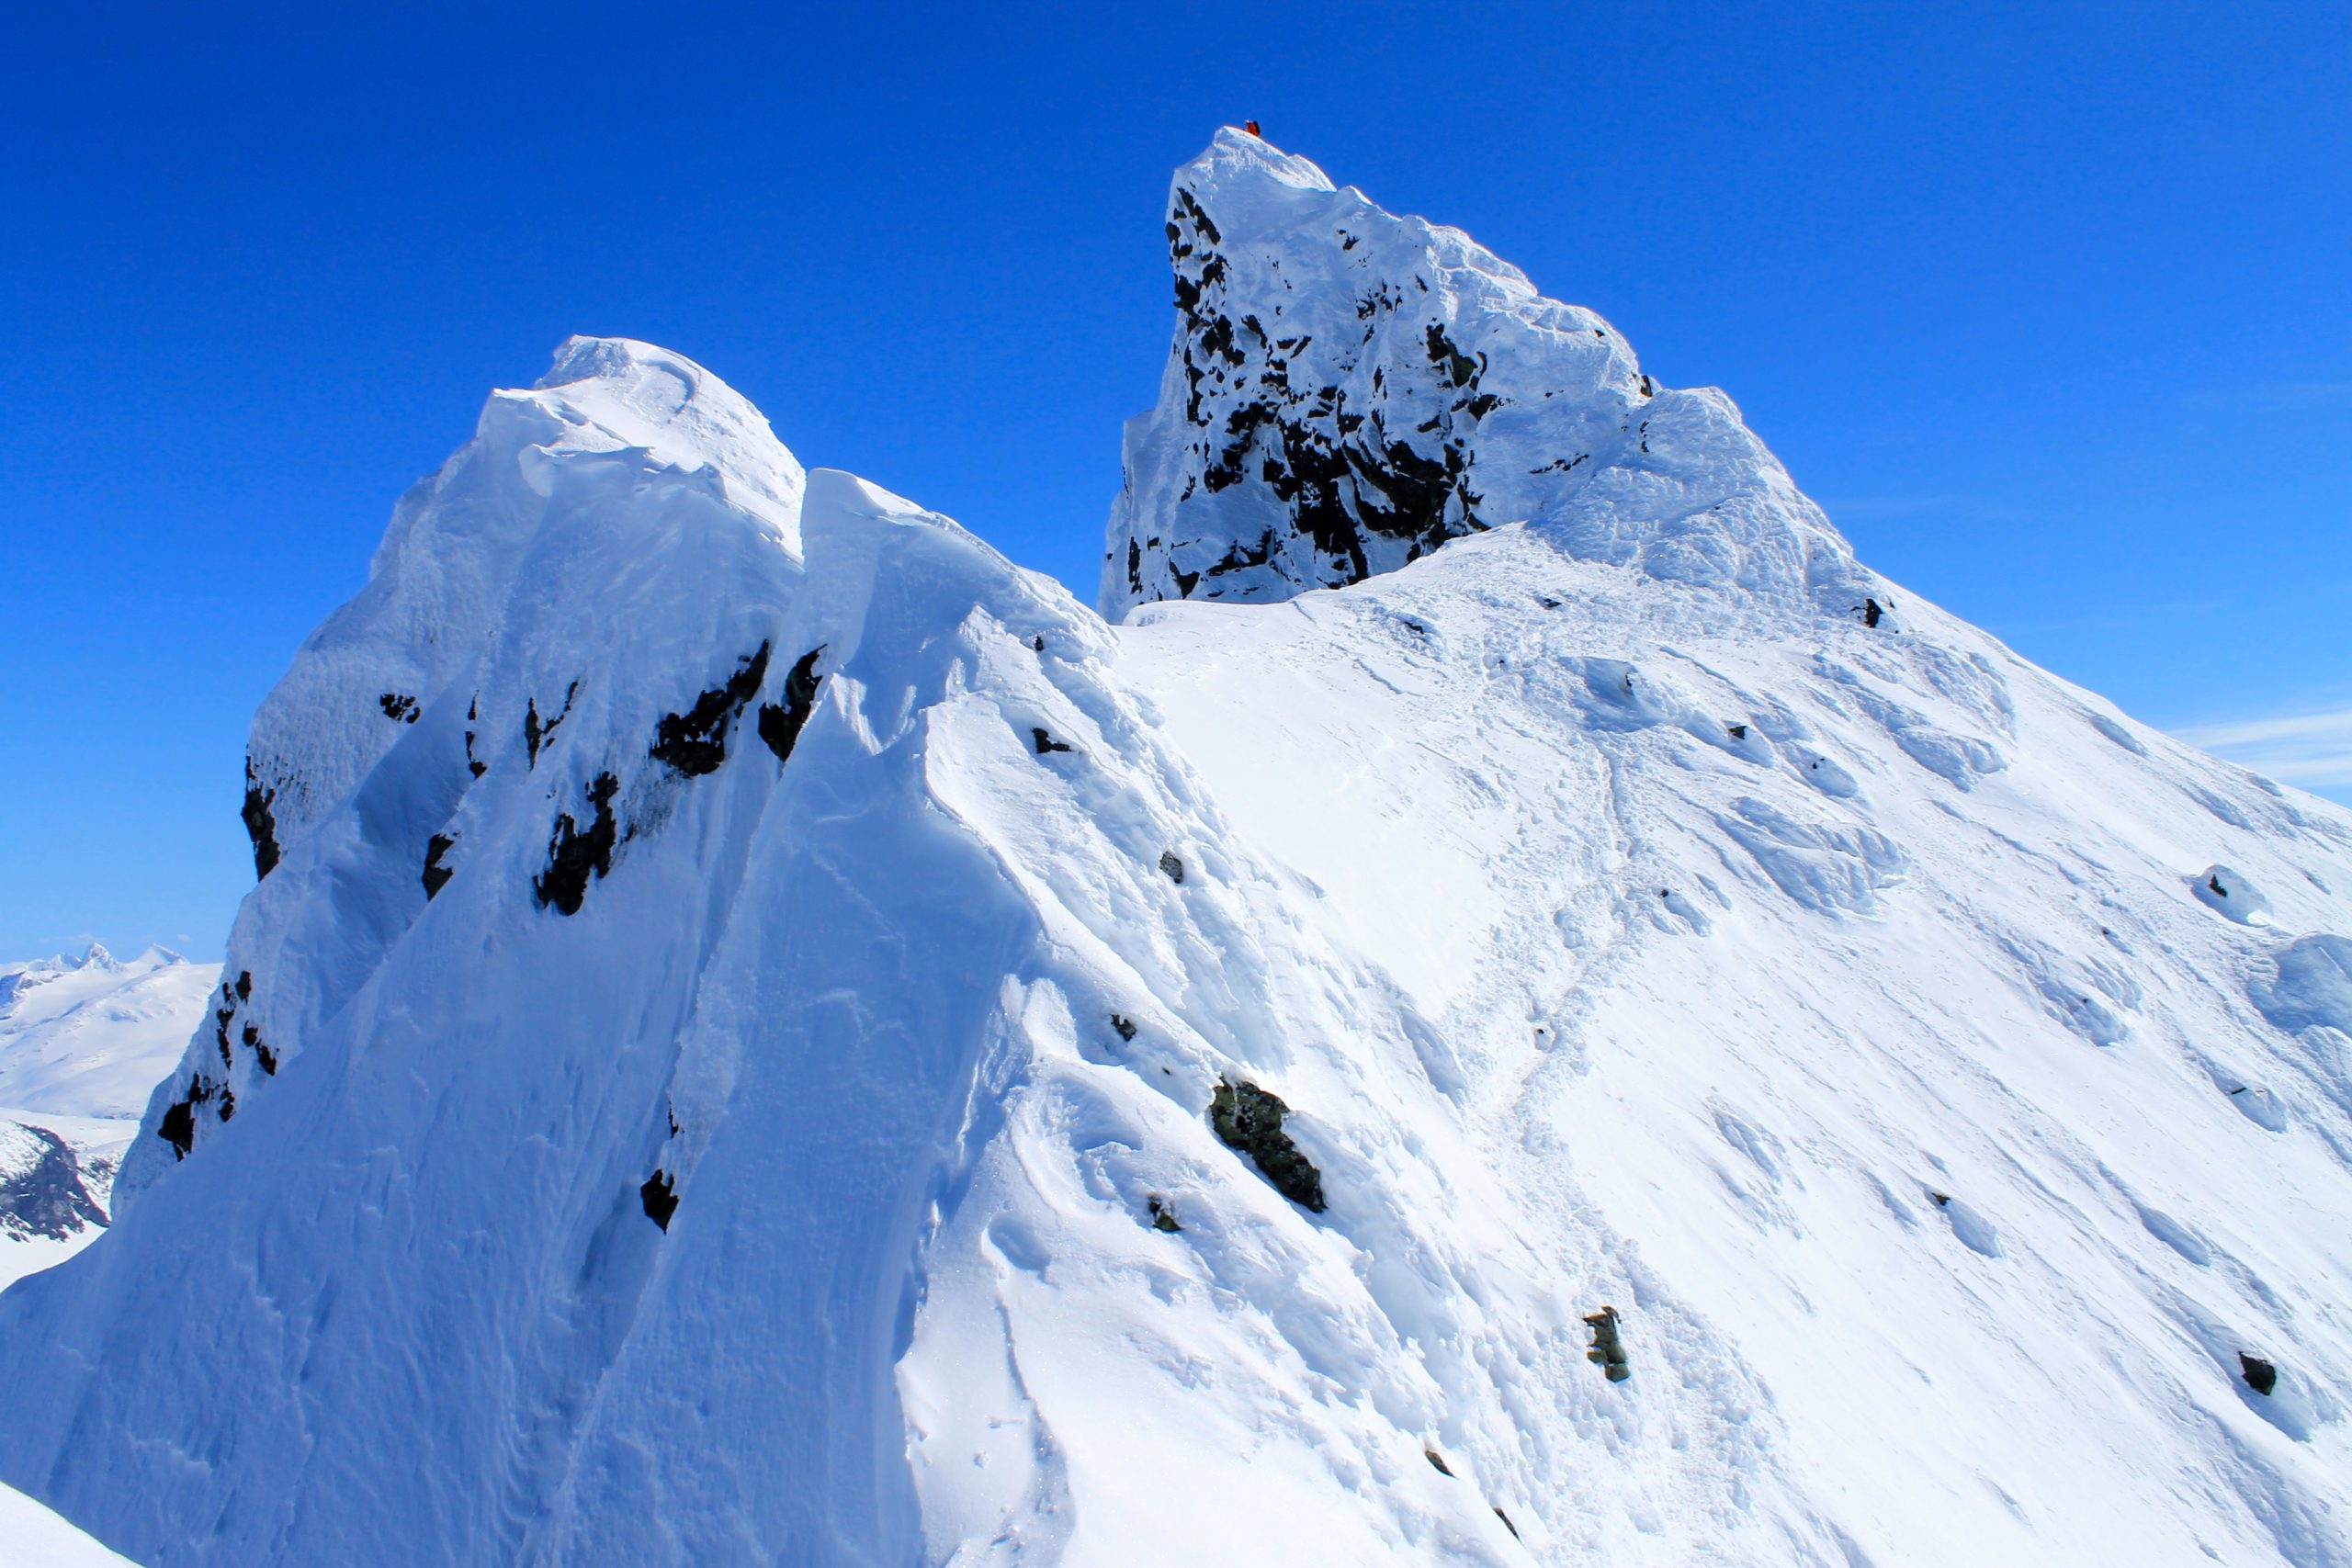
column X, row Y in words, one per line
column 1610, row 1036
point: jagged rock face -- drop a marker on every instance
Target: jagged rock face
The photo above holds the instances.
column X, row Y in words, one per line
column 42, row 1188
column 1349, row 390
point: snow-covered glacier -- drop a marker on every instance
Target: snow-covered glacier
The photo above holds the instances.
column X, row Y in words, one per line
column 82, row 1042
column 1505, row 1002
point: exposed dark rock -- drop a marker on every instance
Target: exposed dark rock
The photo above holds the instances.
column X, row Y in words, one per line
column 1608, row 1349
column 1045, row 742
column 261, row 826
column 436, row 875
column 1507, row 1523
column 399, row 707
column 694, row 742
column 262, row 1053
column 661, row 1197
column 1871, row 611
column 1126, row 1026
column 177, row 1127
column 473, row 765
column 1338, row 472
column 48, row 1198
column 2260, row 1375
column 1437, row 1461
column 1037, row 644
column 1171, row 865
column 1739, row 731
column 1460, row 370
column 1942, row 1200
column 574, row 855
column 780, row 726
column 245, row 985
column 1249, row 1119
column 1163, row 1217
column 536, row 730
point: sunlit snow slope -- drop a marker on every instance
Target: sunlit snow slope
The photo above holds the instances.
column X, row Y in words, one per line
column 722, row 1059
column 32, row 1537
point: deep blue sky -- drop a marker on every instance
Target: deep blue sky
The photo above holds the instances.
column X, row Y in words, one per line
column 2049, row 305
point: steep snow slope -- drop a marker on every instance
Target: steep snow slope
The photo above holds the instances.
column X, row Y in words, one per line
column 738, row 1077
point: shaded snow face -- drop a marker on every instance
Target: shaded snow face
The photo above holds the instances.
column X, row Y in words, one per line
column 538, row 625
column 482, row 535
column 1349, row 390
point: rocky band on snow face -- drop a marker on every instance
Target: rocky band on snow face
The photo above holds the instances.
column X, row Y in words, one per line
column 1250, row 1119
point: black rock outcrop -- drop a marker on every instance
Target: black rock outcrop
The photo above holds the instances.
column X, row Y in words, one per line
column 694, row 742
column 574, row 854
column 780, row 724
column 1250, row 1118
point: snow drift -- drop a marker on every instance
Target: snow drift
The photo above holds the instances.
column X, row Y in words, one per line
column 767, row 1033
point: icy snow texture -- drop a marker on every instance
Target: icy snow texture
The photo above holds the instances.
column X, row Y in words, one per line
column 1831, row 999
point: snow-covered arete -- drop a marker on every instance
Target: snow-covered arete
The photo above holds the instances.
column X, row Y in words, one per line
column 738, row 1076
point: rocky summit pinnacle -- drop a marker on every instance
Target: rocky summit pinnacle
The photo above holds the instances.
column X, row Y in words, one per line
column 1349, row 390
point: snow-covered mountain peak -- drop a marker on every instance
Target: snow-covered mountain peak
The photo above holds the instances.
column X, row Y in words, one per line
column 623, row 455
column 1568, row 1048
column 1349, row 389
column 1236, row 161
column 644, row 396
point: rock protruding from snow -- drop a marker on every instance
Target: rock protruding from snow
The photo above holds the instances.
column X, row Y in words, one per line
column 1349, row 390
column 41, row 1190
column 2227, row 892
column 564, row 624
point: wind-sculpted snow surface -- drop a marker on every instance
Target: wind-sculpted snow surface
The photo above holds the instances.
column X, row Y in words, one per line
column 1349, row 390
column 810, row 1046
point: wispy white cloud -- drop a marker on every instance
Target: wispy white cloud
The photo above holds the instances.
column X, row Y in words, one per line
column 2314, row 749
